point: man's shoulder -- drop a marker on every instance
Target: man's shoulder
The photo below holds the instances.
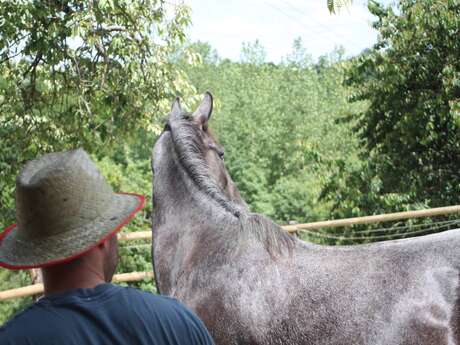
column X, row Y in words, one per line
column 116, row 307
column 21, row 316
column 14, row 327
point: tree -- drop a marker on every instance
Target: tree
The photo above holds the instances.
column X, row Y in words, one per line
column 76, row 73
column 97, row 74
column 279, row 125
column 253, row 52
column 411, row 130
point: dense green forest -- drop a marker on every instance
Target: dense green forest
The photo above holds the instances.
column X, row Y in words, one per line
column 305, row 140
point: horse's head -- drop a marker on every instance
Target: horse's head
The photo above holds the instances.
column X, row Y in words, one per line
column 196, row 150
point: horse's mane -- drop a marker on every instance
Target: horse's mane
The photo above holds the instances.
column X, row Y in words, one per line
column 190, row 152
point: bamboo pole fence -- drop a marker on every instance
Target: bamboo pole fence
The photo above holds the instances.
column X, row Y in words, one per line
column 37, row 289
column 292, row 228
column 432, row 212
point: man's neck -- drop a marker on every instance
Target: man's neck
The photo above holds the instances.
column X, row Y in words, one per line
column 63, row 278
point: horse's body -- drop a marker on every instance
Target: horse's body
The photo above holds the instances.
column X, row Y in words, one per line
column 253, row 284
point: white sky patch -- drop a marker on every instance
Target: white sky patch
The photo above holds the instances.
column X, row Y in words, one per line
column 276, row 23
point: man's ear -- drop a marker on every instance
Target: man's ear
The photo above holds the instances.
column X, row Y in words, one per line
column 109, row 242
column 203, row 113
column 103, row 245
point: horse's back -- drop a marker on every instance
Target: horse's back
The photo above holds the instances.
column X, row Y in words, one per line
column 394, row 292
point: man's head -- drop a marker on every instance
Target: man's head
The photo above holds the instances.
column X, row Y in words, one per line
column 66, row 210
column 91, row 269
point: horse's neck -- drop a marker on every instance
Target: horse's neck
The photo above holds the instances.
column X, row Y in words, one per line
column 188, row 228
column 189, row 215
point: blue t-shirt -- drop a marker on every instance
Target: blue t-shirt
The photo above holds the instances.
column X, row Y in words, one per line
column 105, row 315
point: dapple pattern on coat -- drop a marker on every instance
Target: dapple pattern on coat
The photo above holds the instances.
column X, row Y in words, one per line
column 251, row 283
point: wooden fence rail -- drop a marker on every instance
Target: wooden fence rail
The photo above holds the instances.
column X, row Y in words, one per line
column 37, row 289
column 146, row 235
column 439, row 211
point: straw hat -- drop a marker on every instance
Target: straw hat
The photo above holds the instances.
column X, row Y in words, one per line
column 64, row 208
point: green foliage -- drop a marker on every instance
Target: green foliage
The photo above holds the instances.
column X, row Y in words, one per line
column 410, row 132
column 11, row 280
column 281, row 126
column 129, row 173
column 84, row 74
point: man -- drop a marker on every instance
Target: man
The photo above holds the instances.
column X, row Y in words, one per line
column 67, row 220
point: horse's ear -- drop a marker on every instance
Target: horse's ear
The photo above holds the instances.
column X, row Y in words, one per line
column 176, row 109
column 203, row 113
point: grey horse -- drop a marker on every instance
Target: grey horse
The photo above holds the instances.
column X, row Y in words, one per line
column 251, row 283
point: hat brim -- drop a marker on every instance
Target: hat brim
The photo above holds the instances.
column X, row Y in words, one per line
column 17, row 253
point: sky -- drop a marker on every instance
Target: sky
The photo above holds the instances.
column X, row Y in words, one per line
column 226, row 24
